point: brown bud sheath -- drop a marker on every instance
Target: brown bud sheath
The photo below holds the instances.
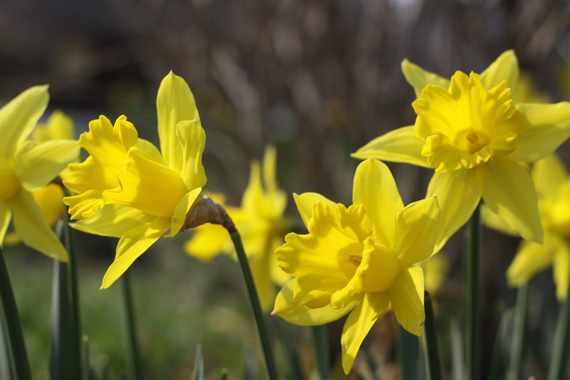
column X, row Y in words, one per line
column 206, row 210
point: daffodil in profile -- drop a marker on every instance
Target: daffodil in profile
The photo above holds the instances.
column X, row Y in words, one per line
column 129, row 189
column 553, row 188
column 261, row 224
column 359, row 260
column 27, row 166
column 478, row 137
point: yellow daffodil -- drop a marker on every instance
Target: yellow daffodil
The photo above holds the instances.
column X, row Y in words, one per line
column 261, row 225
column 478, row 138
column 50, row 197
column 27, row 166
column 126, row 188
column 359, row 259
column 553, row 188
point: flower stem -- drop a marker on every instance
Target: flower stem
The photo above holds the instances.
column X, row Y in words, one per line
column 65, row 357
column 408, row 347
column 429, row 336
column 13, row 328
column 561, row 343
column 321, row 344
column 473, row 247
column 134, row 369
column 256, row 306
column 518, row 341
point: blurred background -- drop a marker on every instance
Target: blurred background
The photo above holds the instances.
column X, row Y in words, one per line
column 318, row 79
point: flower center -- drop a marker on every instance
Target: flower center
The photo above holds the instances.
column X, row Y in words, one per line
column 466, row 125
column 470, row 141
column 9, row 183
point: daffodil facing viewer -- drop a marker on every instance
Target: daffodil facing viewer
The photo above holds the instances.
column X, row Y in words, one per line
column 478, row 138
column 261, row 225
column 359, row 260
column 126, row 188
column 553, row 188
column 26, row 166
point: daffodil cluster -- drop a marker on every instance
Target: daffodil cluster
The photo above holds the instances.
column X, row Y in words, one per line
column 261, row 225
column 26, row 169
column 478, row 138
column 129, row 189
column 359, row 260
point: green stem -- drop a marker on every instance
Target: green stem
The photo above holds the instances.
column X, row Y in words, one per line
column 292, row 357
column 13, row 328
column 519, row 328
column 74, row 285
column 321, row 345
column 133, row 363
column 473, row 247
column 6, row 364
column 561, row 342
column 433, row 365
column 65, row 357
column 408, row 347
column 256, row 306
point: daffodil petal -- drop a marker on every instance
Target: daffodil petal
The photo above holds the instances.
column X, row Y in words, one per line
column 530, row 259
column 561, row 268
column 181, row 210
column 548, row 175
column 207, row 242
column 174, row 103
column 305, row 202
column 505, row 68
column 494, row 221
column 416, row 230
column 133, row 244
column 148, row 150
column 50, row 200
column 358, row 323
column 113, row 220
column 508, row 191
column 407, row 299
column 38, row 164
column 19, row 117
column 269, row 169
column 458, row 195
column 375, row 188
column 419, row 78
column 59, row 127
column 303, row 315
column 549, row 128
column 262, row 278
column 193, row 139
column 254, row 191
column 5, row 216
column 399, row 145
column 34, row 229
